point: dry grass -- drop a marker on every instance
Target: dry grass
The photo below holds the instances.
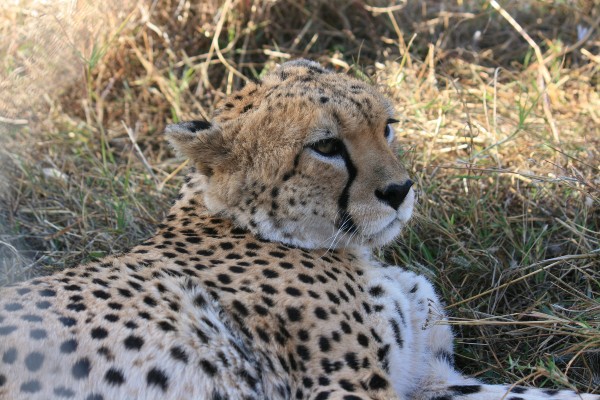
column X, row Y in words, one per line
column 502, row 137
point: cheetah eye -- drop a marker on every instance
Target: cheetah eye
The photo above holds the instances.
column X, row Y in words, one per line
column 388, row 130
column 328, row 147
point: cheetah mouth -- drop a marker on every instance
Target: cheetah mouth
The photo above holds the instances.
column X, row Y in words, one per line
column 394, row 224
column 384, row 235
column 387, row 228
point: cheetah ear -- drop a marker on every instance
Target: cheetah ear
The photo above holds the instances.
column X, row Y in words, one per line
column 200, row 141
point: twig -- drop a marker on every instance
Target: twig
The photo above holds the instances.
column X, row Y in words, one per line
column 545, row 77
column 214, row 46
column 11, row 121
column 401, row 43
column 379, row 10
column 11, row 248
column 547, row 108
column 300, row 35
column 172, row 174
column 525, row 35
column 589, row 55
column 273, row 53
column 139, row 151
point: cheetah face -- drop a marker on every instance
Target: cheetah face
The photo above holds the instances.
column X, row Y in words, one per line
column 305, row 157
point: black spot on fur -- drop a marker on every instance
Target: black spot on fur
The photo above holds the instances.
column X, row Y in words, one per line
column 208, row 367
column 465, row 389
column 260, row 309
column 65, row 392
column 5, row 330
column 47, row 293
column 324, row 344
column 9, row 356
column 268, row 289
column 114, row 377
column 352, row 361
column 345, row 327
column 240, row 308
column 157, row 377
column 23, row 291
column 179, row 354
column 13, row 307
column 38, row 334
column 111, row 317
column 321, row 313
column 101, row 294
column 286, row 265
column 68, row 346
column 347, row 385
column 269, row 273
column 323, row 395
column 67, row 321
column 77, row 307
column 99, row 333
column 133, row 342
column 397, row 333
column 292, row 291
column 377, row 382
column 363, row 340
column 32, row 386
column 294, row 314
column 81, row 369
column 43, row 305
column 303, row 352
column 306, row 278
column 34, row 361
column 165, row 326
column 376, row 291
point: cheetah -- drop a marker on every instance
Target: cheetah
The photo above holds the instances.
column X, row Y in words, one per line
column 260, row 283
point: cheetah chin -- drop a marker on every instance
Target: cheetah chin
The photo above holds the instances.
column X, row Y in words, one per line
column 259, row 283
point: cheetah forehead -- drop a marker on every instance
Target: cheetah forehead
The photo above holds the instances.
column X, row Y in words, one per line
column 309, row 85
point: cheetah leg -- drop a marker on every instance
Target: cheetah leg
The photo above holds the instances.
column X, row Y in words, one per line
column 341, row 394
column 499, row 392
column 445, row 383
column 433, row 343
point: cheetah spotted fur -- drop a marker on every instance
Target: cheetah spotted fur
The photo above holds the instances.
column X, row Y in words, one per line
column 260, row 283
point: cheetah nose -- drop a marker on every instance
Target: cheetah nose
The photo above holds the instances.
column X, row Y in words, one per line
column 394, row 194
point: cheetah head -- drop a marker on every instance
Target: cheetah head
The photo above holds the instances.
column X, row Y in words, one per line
column 305, row 157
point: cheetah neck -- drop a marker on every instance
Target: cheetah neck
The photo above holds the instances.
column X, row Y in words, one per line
column 194, row 200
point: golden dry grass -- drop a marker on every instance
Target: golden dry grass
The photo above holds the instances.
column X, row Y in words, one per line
column 500, row 127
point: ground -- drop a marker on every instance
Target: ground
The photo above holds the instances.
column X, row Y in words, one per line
column 503, row 148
